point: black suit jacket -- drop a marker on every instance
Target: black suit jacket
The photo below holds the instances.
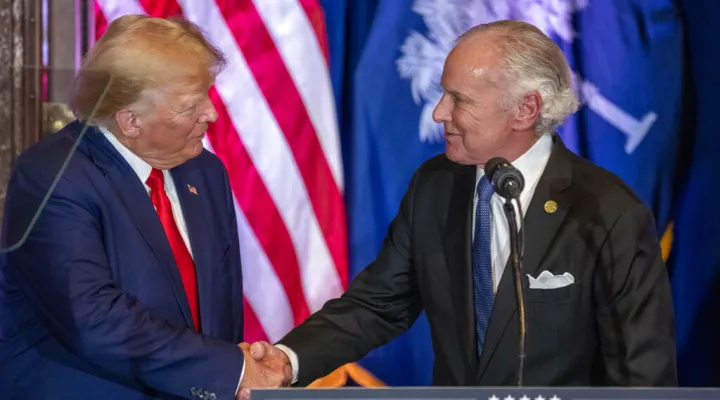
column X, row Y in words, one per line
column 613, row 326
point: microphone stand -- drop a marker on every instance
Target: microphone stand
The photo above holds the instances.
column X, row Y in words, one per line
column 517, row 247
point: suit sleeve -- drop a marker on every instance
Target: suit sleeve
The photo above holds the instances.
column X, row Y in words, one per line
column 635, row 311
column 62, row 270
column 381, row 302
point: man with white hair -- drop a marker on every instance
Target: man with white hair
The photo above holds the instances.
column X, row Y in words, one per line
column 597, row 297
column 129, row 284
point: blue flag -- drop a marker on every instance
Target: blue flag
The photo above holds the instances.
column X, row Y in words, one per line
column 695, row 260
column 386, row 149
column 627, row 62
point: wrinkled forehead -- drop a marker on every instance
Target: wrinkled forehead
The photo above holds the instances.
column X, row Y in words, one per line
column 176, row 96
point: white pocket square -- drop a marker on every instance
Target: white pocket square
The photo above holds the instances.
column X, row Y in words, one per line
column 546, row 280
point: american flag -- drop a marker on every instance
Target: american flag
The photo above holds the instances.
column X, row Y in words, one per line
column 277, row 135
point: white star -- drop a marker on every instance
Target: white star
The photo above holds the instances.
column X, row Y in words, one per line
column 494, row 398
column 539, row 398
column 555, row 398
column 509, row 398
column 524, row 398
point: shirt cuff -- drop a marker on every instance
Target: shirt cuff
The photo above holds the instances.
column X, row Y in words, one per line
column 293, row 360
column 242, row 374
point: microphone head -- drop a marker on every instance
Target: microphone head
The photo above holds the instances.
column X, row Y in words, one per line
column 492, row 166
column 507, row 180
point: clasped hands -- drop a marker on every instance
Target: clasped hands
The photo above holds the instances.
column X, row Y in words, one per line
column 266, row 366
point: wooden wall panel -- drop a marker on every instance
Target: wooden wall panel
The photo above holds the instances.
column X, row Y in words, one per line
column 20, row 102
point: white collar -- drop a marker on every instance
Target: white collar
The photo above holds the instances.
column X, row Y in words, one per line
column 141, row 168
column 531, row 164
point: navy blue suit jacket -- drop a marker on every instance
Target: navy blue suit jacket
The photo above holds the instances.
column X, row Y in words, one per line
column 92, row 305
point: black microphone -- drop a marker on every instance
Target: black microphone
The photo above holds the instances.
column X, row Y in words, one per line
column 506, row 179
column 508, row 182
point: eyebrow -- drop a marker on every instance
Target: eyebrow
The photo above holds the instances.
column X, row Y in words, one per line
column 454, row 93
column 195, row 97
column 187, row 105
column 457, row 94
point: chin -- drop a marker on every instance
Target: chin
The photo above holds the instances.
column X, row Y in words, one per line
column 455, row 156
column 195, row 150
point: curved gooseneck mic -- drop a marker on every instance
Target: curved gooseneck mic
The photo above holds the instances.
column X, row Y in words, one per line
column 508, row 182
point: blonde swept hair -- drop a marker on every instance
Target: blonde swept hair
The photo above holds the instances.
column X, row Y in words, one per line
column 532, row 61
column 137, row 53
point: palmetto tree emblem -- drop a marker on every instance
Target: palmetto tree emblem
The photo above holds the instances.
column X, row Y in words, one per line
column 422, row 56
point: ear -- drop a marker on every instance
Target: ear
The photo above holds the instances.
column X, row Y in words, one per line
column 128, row 123
column 528, row 111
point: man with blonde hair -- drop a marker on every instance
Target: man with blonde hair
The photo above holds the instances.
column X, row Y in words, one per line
column 129, row 283
column 598, row 306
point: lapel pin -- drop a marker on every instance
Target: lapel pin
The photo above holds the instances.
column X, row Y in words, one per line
column 550, row 206
column 192, row 189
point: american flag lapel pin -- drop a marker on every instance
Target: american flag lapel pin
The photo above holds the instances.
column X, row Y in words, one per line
column 192, row 189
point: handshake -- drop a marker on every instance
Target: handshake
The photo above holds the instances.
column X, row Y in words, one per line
column 266, row 366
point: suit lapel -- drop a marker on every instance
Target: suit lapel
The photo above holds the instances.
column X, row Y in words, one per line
column 541, row 227
column 541, row 224
column 139, row 207
column 458, row 247
column 190, row 190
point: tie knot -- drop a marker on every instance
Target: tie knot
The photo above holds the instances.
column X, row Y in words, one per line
column 155, row 180
column 485, row 189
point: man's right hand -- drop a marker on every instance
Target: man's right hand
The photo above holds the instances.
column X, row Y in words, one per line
column 265, row 367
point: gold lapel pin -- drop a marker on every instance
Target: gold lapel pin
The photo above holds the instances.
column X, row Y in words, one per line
column 550, row 206
column 192, row 189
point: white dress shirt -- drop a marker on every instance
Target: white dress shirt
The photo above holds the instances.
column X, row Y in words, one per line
column 531, row 165
column 143, row 170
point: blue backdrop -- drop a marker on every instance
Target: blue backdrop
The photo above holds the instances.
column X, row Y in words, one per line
column 645, row 73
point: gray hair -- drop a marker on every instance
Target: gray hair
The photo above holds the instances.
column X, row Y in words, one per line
column 532, row 61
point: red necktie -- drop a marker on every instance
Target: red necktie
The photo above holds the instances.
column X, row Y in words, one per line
column 183, row 259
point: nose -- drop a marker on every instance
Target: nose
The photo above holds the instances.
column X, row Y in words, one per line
column 441, row 113
column 210, row 114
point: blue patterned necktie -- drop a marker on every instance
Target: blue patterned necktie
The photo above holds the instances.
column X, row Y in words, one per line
column 482, row 261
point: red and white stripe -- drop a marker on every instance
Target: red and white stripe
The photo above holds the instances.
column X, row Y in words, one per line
column 277, row 135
